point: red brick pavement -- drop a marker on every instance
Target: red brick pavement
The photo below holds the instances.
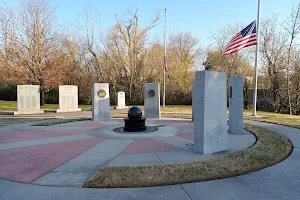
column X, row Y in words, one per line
column 29, row 163
column 22, row 135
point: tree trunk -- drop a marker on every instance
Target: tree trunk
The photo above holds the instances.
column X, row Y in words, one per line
column 288, row 77
column 42, row 96
column 130, row 93
column 42, row 92
column 246, row 92
column 289, row 94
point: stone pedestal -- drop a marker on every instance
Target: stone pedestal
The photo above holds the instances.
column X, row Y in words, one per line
column 210, row 124
column 28, row 99
column 68, row 99
column 236, row 105
column 121, row 101
column 152, row 100
column 100, row 102
column 193, row 101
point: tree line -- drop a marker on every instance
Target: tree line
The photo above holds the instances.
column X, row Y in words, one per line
column 279, row 60
column 36, row 50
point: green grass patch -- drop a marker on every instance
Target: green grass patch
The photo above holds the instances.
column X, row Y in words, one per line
column 8, row 105
column 269, row 149
column 60, row 121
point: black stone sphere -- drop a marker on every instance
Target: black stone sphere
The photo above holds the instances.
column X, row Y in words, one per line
column 135, row 113
column 134, row 122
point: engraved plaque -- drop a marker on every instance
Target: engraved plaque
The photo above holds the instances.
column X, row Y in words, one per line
column 63, row 101
column 73, row 101
column 151, row 93
column 34, row 102
column 28, row 102
column 68, row 98
column 22, row 102
column 68, row 102
column 101, row 93
column 28, row 99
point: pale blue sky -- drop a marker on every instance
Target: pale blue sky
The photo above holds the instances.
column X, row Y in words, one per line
column 196, row 16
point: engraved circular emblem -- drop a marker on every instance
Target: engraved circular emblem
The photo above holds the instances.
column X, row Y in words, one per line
column 151, row 93
column 101, row 93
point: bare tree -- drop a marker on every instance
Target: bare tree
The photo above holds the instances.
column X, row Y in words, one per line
column 30, row 40
column 273, row 52
column 292, row 26
column 91, row 28
column 295, row 78
column 7, row 32
column 130, row 40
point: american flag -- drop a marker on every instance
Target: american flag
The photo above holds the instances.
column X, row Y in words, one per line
column 245, row 38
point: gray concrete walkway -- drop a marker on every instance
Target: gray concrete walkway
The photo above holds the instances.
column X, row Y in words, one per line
column 281, row 181
column 25, row 150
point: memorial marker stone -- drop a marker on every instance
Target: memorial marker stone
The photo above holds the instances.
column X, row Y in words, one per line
column 28, row 97
column 236, row 105
column 121, row 101
column 68, row 99
column 101, row 102
column 193, row 100
column 210, row 122
column 152, row 100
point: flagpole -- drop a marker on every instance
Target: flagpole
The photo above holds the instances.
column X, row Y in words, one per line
column 256, row 60
column 165, row 54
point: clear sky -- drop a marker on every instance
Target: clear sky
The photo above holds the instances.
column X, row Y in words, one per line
column 200, row 17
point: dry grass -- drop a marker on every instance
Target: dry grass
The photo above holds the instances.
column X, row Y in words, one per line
column 13, row 106
column 178, row 109
column 4, row 122
column 269, row 149
column 185, row 112
column 175, row 111
column 60, row 121
column 275, row 118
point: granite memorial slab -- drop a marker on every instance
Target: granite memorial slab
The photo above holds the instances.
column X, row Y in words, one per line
column 210, row 121
column 68, row 99
column 28, row 97
column 100, row 102
column 152, row 100
column 236, row 105
column 121, row 101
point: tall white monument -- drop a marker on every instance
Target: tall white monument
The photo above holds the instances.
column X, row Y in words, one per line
column 152, row 100
column 236, row 105
column 101, row 102
column 68, row 99
column 121, row 101
column 210, row 123
column 28, row 99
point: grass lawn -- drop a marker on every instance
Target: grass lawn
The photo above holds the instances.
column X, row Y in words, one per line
column 8, row 105
column 269, row 149
column 16, row 121
column 275, row 118
column 175, row 111
column 13, row 106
